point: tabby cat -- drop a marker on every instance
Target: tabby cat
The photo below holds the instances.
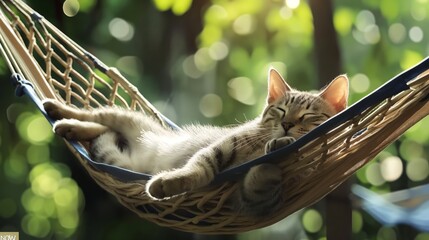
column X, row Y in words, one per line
column 188, row 159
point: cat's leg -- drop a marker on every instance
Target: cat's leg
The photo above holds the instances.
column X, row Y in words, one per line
column 57, row 110
column 128, row 123
column 113, row 132
column 201, row 169
column 73, row 129
column 198, row 172
column 171, row 183
column 261, row 188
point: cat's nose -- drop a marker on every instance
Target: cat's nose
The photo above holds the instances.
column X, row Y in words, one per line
column 286, row 126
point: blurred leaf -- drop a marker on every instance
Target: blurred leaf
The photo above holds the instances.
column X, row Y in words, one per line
column 312, row 221
column 343, row 20
column 181, row 6
column 210, row 35
column 217, row 15
column 390, row 9
column 86, row 5
column 163, row 5
column 410, row 58
column 178, row 7
column 418, row 132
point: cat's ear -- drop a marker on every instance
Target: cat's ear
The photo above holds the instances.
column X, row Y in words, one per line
column 337, row 93
column 277, row 86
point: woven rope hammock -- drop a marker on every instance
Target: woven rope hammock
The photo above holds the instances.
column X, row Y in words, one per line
column 47, row 64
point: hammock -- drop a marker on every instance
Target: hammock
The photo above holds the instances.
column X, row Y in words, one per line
column 47, row 64
column 387, row 210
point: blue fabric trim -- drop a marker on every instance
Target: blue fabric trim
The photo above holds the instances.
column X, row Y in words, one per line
column 389, row 213
column 389, row 89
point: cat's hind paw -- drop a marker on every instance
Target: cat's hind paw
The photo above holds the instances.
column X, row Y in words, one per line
column 55, row 109
column 73, row 129
column 168, row 184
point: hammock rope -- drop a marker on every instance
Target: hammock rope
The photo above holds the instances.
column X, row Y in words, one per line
column 47, row 64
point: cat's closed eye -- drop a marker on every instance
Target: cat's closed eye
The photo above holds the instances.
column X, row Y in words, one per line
column 306, row 116
column 313, row 120
column 281, row 111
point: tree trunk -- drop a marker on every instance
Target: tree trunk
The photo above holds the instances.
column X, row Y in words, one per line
column 327, row 54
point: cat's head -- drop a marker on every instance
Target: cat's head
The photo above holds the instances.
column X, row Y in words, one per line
column 290, row 112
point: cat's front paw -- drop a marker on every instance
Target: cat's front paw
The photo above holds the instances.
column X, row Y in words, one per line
column 278, row 143
column 54, row 108
column 168, row 184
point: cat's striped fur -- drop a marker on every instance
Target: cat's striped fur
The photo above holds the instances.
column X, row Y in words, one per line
column 188, row 159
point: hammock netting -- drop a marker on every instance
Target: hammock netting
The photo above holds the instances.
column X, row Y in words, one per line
column 47, row 64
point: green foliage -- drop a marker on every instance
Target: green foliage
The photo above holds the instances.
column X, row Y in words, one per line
column 53, row 202
column 178, row 7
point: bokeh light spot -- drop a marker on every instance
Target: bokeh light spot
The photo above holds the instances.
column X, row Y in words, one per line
column 391, row 168
column 364, row 19
column 216, row 14
column 418, row 12
column 39, row 130
column 218, row 51
column 36, row 225
column 34, row 128
column 359, row 83
column 417, row 169
column 244, row 24
column 211, row 34
column 211, row 105
column 416, row 34
column 241, row 89
column 373, row 174
column 203, row 61
column 71, row 7
column 15, row 168
column 31, row 202
column 181, row 7
column 68, row 219
column 163, row 5
column 343, row 20
column 410, row 150
column 190, row 69
column 372, row 34
column 286, row 13
column 63, row 197
column 292, row 4
column 312, row 221
column 130, row 65
column 46, row 183
column 397, row 32
column 121, row 29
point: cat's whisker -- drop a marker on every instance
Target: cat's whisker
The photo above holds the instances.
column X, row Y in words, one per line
column 253, row 140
